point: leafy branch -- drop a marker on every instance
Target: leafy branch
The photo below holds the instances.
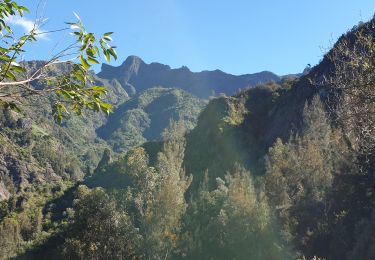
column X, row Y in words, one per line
column 74, row 89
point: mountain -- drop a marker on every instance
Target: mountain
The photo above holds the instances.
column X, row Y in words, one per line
column 278, row 171
column 36, row 152
column 147, row 115
column 136, row 76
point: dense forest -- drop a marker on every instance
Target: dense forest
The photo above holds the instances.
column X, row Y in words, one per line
column 281, row 169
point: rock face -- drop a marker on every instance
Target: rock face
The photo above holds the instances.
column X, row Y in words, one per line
column 106, row 159
column 4, row 193
column 17, row 171
column 136, row 76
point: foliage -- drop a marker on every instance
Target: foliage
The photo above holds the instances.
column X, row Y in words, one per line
column 73, row 88
column 162, row 219
column 311, row 195
column 148, row 207
column 100, row 230
column 145, row 116
column 299, row 175
column 230, row 222
column 10, row 238
column 352, row 87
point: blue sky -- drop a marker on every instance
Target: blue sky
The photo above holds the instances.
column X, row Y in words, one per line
column 238, row 36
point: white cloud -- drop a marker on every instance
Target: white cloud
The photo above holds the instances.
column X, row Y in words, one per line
column 28, row 25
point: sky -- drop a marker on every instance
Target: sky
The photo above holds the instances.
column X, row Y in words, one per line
column 238, row 36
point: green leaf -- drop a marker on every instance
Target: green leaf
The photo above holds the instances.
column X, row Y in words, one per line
column 18, row 69
column 79, row 76
column 11, row 76
column 84, row 62
column 108, row 38
column 92, row 60
column 98, row 88
column 105, row 106
column 5, row 58
column 107, row 55
column 113, row 53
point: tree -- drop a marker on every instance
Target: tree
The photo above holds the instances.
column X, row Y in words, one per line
column 156, row 199
column 300, row 175
column 351, row 82
column 74, row 88
column 230, row 222
column 10, row 237
column 350, row 85
column 162, row 221
column 99, row 230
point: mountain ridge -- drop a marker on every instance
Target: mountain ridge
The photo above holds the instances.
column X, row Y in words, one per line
column 135, row 76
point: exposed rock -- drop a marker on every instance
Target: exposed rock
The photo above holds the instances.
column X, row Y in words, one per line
column 24, row 123
column 136, row 73
column 106, row 159
column 4, row 193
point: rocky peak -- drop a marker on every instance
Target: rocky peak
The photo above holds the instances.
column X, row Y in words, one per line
column 136, row 76
column 127, row 69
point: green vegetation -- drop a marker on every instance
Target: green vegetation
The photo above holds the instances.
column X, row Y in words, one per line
column 72, row 88
column 232, row 221
column 146, row 116
column 281, row 171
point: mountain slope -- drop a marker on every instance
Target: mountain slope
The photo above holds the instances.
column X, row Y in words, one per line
column 147, row 115
column 308, row 175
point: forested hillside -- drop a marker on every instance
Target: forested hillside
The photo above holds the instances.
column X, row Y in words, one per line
column 41, row 160
column 283, row 170
column 147, row 115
